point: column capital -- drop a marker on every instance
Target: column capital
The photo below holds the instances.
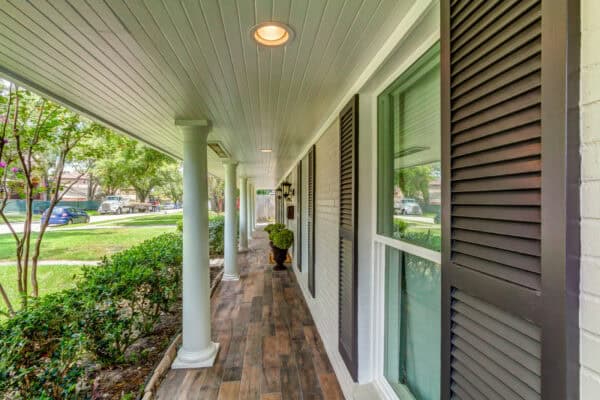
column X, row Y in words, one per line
column 193, row 126
column 233, row 163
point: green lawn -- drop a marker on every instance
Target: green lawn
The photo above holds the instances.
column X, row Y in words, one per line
column 51, row 279
column 89, row 244
column 150, row 219
column 19, row 218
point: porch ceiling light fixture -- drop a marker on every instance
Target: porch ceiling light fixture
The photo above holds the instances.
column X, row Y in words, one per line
column 266, row 150
column 278, row 192
column 272, row 34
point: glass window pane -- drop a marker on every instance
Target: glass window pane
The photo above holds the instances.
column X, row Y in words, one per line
column 409, row 155
column 412, row 324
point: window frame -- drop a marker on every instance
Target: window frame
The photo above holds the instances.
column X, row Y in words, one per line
column 425, row 60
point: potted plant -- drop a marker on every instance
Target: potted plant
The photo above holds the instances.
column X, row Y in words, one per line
column 282, row 240
column 271, row 229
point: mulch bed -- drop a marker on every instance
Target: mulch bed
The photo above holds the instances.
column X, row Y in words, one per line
column 129, row 379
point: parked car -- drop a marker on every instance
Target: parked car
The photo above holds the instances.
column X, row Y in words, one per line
column 408, row 207
column 66, row 215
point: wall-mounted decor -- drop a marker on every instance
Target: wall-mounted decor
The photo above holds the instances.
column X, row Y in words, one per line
column 290, row 212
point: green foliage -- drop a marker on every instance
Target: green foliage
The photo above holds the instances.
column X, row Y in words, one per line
column 40, row 349
column 414, row 181
column 400, row 226
column 272, row 228
column 429, row 239
column 216, row 232
column 44, row 348
column 171, row 185
column 216, row 192
column 127, row 293
column 282, row 238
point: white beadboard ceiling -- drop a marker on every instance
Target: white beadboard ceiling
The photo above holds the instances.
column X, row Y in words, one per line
column 138, row 65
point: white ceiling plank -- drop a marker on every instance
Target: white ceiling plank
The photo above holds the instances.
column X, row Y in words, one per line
column 54, row 36
column 138, row 65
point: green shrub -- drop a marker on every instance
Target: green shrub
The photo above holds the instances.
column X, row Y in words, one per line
column 216, row 229
column 272, row 228
column 41, row 347
column 283, row 239
column 400, row 225
column 127, row 293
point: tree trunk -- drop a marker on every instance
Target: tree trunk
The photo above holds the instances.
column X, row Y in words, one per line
column 90, row 187
column 11, row 310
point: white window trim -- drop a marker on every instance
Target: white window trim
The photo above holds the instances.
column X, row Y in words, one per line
column 380, row 242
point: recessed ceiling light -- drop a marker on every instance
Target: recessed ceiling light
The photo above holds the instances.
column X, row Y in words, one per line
column 266, row 150
column 272, row 34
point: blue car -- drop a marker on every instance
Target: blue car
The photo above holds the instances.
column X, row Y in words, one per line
column 66, row 215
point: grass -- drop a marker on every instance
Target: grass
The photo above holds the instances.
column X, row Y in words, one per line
column 51, row 278
column 151, row 219
column 90, row 244
column 20, row 218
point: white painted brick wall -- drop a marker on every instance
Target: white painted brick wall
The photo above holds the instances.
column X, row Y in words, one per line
column 324, row 307
column 589, row 308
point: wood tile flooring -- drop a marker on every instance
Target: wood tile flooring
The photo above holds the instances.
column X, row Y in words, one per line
column 270, row 347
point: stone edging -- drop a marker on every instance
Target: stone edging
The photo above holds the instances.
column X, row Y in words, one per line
column 165, row 363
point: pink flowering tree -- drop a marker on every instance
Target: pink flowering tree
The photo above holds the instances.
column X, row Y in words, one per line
column 37, row 139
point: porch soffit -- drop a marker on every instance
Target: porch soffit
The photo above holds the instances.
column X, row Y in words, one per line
column 137, row 66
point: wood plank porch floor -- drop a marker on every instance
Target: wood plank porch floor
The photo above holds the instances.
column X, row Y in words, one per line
column 270, row 347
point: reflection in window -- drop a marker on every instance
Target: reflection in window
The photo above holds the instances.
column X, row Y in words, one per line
column 412, row 324
column 409, row 155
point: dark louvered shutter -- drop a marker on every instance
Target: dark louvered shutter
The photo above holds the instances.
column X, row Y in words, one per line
column 348, row 271
column 298, row 213
column 310, row 224
column 504, row 272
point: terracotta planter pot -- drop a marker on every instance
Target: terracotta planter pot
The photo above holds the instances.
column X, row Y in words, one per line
column 279, row 255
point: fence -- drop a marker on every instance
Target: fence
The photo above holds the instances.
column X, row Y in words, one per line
column 18, row 206
column 265, row 207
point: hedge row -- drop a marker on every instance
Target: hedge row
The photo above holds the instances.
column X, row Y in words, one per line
column 216, row 231
column 47, row 349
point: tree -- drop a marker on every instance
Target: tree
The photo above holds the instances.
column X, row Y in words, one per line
column 216, row 192
column 141, row 166
column 108, row 171
column 414, row 181
column 93, row 152
column 37, row 138
column 172, row 182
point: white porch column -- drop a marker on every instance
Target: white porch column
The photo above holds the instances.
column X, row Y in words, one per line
column 253, row 208
column 244, row 213
column 231, row 271
column 198, row 350
column 250, row 227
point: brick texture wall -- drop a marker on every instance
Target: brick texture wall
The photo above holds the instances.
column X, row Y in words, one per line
column 324, row 306
column 589, row 312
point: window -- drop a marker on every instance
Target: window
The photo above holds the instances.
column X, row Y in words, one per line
column 409, row 203
column 412, row 324
column 409, row 155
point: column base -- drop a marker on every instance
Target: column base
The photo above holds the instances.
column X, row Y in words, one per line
column 230, row 277
column 243, row 250
column 197, row 359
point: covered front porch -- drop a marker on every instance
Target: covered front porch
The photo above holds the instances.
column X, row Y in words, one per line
column 269, row 346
